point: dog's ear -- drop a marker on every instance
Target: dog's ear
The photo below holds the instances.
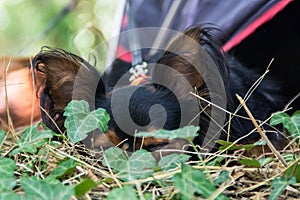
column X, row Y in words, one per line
column 61, row 77
column 190, row 57
column 176, row 68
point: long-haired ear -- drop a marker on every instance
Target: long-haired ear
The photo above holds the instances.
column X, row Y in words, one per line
column 190, row 55
column 62, row 76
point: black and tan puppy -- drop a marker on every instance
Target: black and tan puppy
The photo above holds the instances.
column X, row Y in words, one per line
column 193, row 62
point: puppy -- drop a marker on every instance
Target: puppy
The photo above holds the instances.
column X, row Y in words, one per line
column 192, row 63
column 19, row 105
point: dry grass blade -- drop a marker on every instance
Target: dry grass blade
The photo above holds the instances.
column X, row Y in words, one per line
column 291, row 101
column 9, row 121
column 273, row 149
column 63, row 154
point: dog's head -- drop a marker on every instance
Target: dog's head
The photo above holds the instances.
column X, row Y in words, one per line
column 58, row 74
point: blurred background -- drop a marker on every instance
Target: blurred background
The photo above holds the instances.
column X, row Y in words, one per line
column 74, row 25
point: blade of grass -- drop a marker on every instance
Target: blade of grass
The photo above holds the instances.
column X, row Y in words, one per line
column 270, row 145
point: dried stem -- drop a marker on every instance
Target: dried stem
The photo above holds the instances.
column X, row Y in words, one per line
column 273, row 149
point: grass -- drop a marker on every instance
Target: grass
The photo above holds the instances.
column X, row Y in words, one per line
column 36, row 165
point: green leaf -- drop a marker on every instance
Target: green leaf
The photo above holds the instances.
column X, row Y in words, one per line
column 7, row 168
column 31, row 139
column 222, row 178
column 278, row 118
column 36, row 188
column 172, row 161
column 116, row 158
column 231, row 147
column 264, row 161
column 139, row 165
column 187, row 132
column 293, row 171
column 148, row 196
column 250, row 162
column 84, row 186
column 80, row 121
column 9, row 196
column 65, row 167
column 216, row 162
column 191, row 181
column 7, row 184
column 290, row 157
column 292, row 180
column 278, row 184
column 2, row 136
column 292, row 124
column 125, row 193
column 260, row 143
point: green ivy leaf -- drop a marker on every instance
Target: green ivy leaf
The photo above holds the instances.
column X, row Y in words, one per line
column 290, row 157
column 293, row 170
column 65, row 167
column 7, row 178
column 264, row 161
column 7, row 184
column 139, row 165
column 148, row 196
column 10, row 196
column 278, row 118
column 84, row 186
column 250, row 162
column 279, row 184
column 80, row 121
column 261, row 142
column 187, row 132
column 292, row 124
column 36, row 188
column 31, row 139
column 216, row 162
column 172, row 161
column 7, row 168
column 116, row 158
column 292, row 180
column 191, row 181
column 222, row 178
column 225, row 145
column 125, row 193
